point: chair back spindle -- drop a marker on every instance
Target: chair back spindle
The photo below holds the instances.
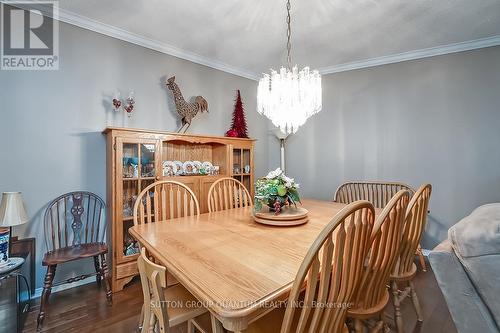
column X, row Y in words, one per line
column 165, row 200
column 336, row 260
column 228, row 193
column 73, row 219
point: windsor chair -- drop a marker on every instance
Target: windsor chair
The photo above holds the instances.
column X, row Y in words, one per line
column 228, row 193
column 75, row 228
column 378, row 193
column 372, row 296
column 165, row 307
column 405, row 269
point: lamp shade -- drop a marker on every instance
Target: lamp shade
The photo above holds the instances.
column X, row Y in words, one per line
column 12, row 210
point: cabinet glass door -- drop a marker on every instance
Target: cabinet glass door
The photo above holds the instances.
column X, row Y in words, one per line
column 137, row 165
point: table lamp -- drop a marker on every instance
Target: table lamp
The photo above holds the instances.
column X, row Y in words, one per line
column 12, row 213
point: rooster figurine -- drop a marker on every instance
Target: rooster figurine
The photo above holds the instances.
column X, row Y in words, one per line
column 186, row 110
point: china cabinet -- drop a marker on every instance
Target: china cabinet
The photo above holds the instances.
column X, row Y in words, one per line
column 136, row 158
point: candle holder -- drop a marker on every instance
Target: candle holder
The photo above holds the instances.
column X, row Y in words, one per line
column 128, row 105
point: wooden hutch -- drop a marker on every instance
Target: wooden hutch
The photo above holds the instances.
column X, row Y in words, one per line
column 135, row 159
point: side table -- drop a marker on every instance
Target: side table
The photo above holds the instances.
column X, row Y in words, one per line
column 15, row 296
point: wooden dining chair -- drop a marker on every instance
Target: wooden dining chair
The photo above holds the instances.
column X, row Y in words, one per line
column 75, row 228
column 372, row 296
column 378, row 193
column 165, row 307
column 228, row 193
column 405, row 269
column 165, row 200
column 327, row 278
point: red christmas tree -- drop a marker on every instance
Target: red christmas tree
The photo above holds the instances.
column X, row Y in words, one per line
column 239, row 126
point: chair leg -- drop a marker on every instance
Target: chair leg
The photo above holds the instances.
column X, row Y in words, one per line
column 379, row 325
column 397, row 310
column 358, row 325
column 190, row 326
column 47, row 287
column 421, row 258
column 98, row 270
column 416, row 303
column 107, row 278
column 141, row 319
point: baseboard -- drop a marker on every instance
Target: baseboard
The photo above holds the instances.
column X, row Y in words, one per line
column 38, row 291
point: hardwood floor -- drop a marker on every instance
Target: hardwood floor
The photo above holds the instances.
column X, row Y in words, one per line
column 84, row 309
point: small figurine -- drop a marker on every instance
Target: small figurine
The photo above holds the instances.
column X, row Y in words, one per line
column 131, row 246
column 136, row 170
column 277, row 207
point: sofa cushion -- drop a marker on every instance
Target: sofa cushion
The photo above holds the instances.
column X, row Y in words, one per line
column 479, row 233
column 476, row 242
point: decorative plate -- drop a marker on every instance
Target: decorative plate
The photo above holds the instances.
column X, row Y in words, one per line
column 169, row 168
column 180, row 167
column 197, row 164
column 188, row 168
column 207, row 165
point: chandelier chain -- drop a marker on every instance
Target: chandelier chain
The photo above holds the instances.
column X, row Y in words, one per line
column 288, row 35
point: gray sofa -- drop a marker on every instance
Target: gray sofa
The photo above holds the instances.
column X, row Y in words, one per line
column 467, row 268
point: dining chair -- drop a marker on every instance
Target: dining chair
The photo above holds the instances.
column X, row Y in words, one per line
column 75, row 228
column 378, row 193
column 165, row 200
column 327, row 278
column 405, row 269
column 165, row 307
column 228, row 193
column 372, row 296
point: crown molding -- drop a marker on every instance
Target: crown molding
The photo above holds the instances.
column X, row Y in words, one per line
column 127, row 36
column 413, row 55
column 121, row 34
column 111, row 31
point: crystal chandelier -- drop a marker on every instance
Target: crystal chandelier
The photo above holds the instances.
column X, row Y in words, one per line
column 289, row 97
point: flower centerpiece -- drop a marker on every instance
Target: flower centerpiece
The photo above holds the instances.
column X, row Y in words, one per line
column 275, row 190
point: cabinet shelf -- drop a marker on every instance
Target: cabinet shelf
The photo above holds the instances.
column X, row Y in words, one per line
column 140, row 178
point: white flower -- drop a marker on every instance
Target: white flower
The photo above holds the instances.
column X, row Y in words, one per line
column 274, row 174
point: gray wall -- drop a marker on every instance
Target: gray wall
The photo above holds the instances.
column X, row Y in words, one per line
column 433, row 120
column 51, row 122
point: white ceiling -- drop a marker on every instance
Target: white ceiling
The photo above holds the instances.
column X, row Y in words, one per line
column 248, row 37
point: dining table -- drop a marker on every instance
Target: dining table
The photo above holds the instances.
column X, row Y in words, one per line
column 237, row 268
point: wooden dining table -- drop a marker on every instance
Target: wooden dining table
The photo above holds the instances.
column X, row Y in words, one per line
column 238, row 269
